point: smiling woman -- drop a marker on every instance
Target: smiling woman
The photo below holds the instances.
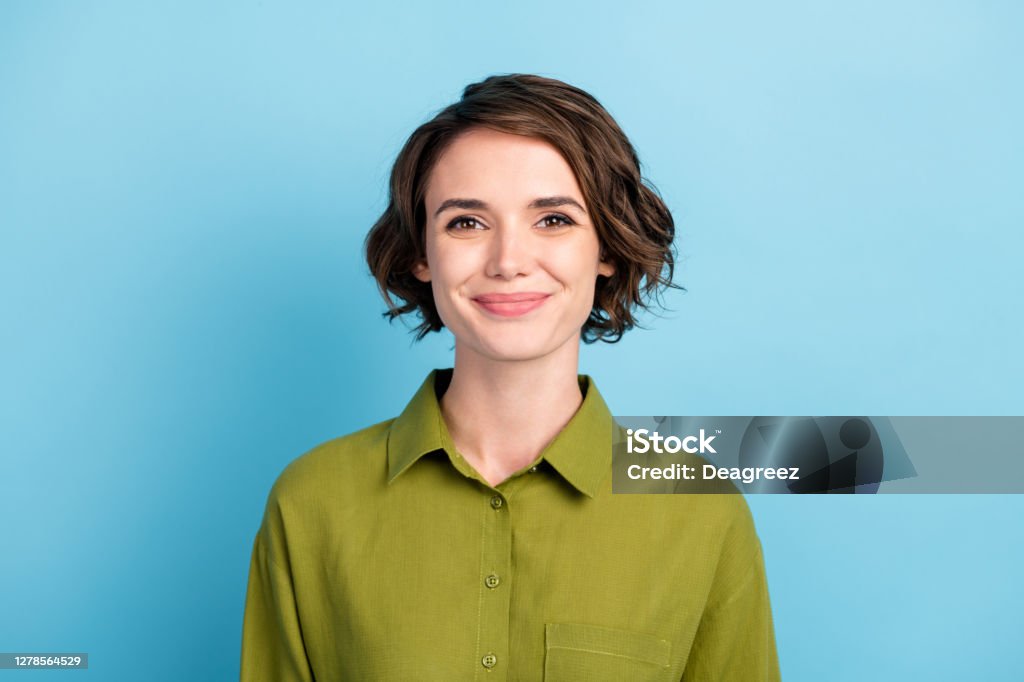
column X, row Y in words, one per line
column 475, row 536
column 513, row 256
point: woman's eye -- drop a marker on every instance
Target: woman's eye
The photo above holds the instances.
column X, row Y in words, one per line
column 464, row 223
column 555, row 220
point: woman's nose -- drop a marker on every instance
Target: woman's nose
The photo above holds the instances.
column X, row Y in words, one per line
column 510, row 253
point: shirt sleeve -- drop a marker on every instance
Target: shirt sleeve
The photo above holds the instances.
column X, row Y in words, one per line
column 272, row 645
column 735, row 639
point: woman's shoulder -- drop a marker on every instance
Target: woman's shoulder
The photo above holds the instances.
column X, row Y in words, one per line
column 320, row 486
column 336, row 464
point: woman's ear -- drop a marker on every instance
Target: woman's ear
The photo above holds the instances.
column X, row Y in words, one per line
column 605, row 267
column 421, row 271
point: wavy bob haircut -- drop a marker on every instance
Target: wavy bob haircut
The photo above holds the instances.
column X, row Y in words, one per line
column 634, row 227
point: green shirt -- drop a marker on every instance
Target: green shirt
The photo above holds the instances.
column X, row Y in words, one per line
column 383, row 555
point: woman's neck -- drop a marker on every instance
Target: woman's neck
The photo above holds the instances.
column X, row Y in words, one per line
column 502, row 413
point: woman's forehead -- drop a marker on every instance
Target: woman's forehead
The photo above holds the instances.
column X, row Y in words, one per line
column 498, row 167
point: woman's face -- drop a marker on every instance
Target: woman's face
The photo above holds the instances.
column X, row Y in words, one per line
column 512, row 255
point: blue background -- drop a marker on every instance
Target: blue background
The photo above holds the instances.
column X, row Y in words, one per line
column 184, row 191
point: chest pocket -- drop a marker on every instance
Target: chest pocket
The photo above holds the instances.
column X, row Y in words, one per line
column 587, row 652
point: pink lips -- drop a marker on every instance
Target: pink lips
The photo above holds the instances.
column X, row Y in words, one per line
column 511, row 305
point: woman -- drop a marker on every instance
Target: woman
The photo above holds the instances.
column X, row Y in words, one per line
column 475, row 536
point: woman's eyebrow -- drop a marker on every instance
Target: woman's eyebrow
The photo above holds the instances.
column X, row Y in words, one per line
column 476, row 204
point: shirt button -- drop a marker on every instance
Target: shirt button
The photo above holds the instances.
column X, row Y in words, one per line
column 533, row 470
column 496, row 502
column 492, row 581
column 489, row 661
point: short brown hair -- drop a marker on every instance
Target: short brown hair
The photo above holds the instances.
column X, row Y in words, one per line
column 634, row 227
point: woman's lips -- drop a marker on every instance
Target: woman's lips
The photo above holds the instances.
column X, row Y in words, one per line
column 511, row 305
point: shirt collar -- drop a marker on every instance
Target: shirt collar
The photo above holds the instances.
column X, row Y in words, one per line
column 581, row 452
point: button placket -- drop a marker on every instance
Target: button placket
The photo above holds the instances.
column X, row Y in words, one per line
column 495, row 603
